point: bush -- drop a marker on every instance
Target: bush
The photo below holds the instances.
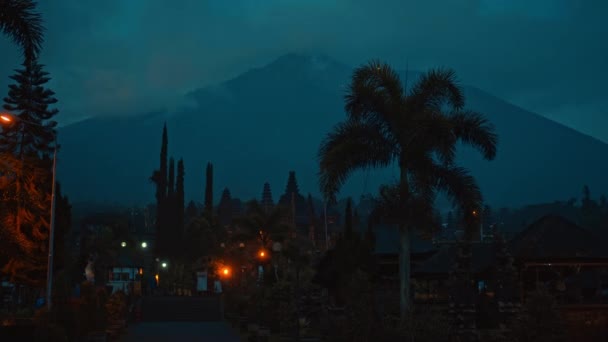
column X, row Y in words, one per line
column 540, row 321
column 424, row 325
column 116, row 306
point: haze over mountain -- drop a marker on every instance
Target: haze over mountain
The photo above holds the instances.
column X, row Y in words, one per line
column 268, row 121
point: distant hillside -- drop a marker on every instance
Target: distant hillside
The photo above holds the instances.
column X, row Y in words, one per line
column 267, row 121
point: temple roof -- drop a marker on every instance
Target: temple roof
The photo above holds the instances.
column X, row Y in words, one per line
column 442, row 262
column 555, row 237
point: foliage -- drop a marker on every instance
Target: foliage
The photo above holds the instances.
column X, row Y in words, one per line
column 159, row 179
column 54, row 327
column 25, row 169
column 23, row 24
column 360, row 306
column 539, row 321
column 424, row 325
column 33, row 132
column 24, row 222
column 419, row 129
column 92, row 312
column 200, row 238
column 265, row 226
column 116, row 306
column 336, row 269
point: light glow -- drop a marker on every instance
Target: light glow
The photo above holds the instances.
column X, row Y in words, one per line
column 6, row 118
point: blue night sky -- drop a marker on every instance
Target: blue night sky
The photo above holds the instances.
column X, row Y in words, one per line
column 126, row 57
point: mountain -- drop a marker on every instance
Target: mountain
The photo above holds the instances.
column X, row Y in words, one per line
column 270, row 120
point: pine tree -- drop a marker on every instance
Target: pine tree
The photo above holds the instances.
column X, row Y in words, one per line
column 209, row 191
column 28, row 144
column 34, row 133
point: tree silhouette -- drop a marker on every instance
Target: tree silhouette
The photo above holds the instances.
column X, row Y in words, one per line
column 159, row 178
column 209, row 191
column 27, row 171
column 20, row 21
column 419, row 130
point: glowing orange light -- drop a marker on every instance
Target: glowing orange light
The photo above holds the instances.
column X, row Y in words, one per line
column 6, row 118
column 225, row 271
column 141, row 271
column 474, row 212
column 156, row 278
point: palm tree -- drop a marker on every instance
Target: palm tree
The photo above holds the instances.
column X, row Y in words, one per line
column 419, row 129
column 23, row 24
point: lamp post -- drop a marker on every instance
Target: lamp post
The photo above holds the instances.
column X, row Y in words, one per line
column 325, row 217
column 480, row 214
column 8, row 119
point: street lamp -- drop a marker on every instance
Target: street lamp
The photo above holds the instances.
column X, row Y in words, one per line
column 480, row 214
column 123, row 244
column 9, row 119
column 144, row 245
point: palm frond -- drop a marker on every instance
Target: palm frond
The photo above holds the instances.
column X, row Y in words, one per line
column 436, row 88
column 20, row 21
column 461, row 188
column 350, row 146
column 375, row 93
column 475, row 130
column 433, row 133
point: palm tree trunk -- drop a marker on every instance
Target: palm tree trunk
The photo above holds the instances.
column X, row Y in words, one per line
column 404, row 250
column 404, row 270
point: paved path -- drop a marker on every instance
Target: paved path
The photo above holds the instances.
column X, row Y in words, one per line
column 181, row 331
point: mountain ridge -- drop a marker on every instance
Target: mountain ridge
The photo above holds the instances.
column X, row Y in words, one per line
column 270, row 120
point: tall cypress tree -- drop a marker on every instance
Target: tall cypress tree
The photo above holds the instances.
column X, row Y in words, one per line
column 179, row 198
column 171, row 239
column 171, row 179
column 209, row 191
column 159, row 178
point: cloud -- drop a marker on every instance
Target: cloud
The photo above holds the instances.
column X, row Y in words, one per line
column 119, row 56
